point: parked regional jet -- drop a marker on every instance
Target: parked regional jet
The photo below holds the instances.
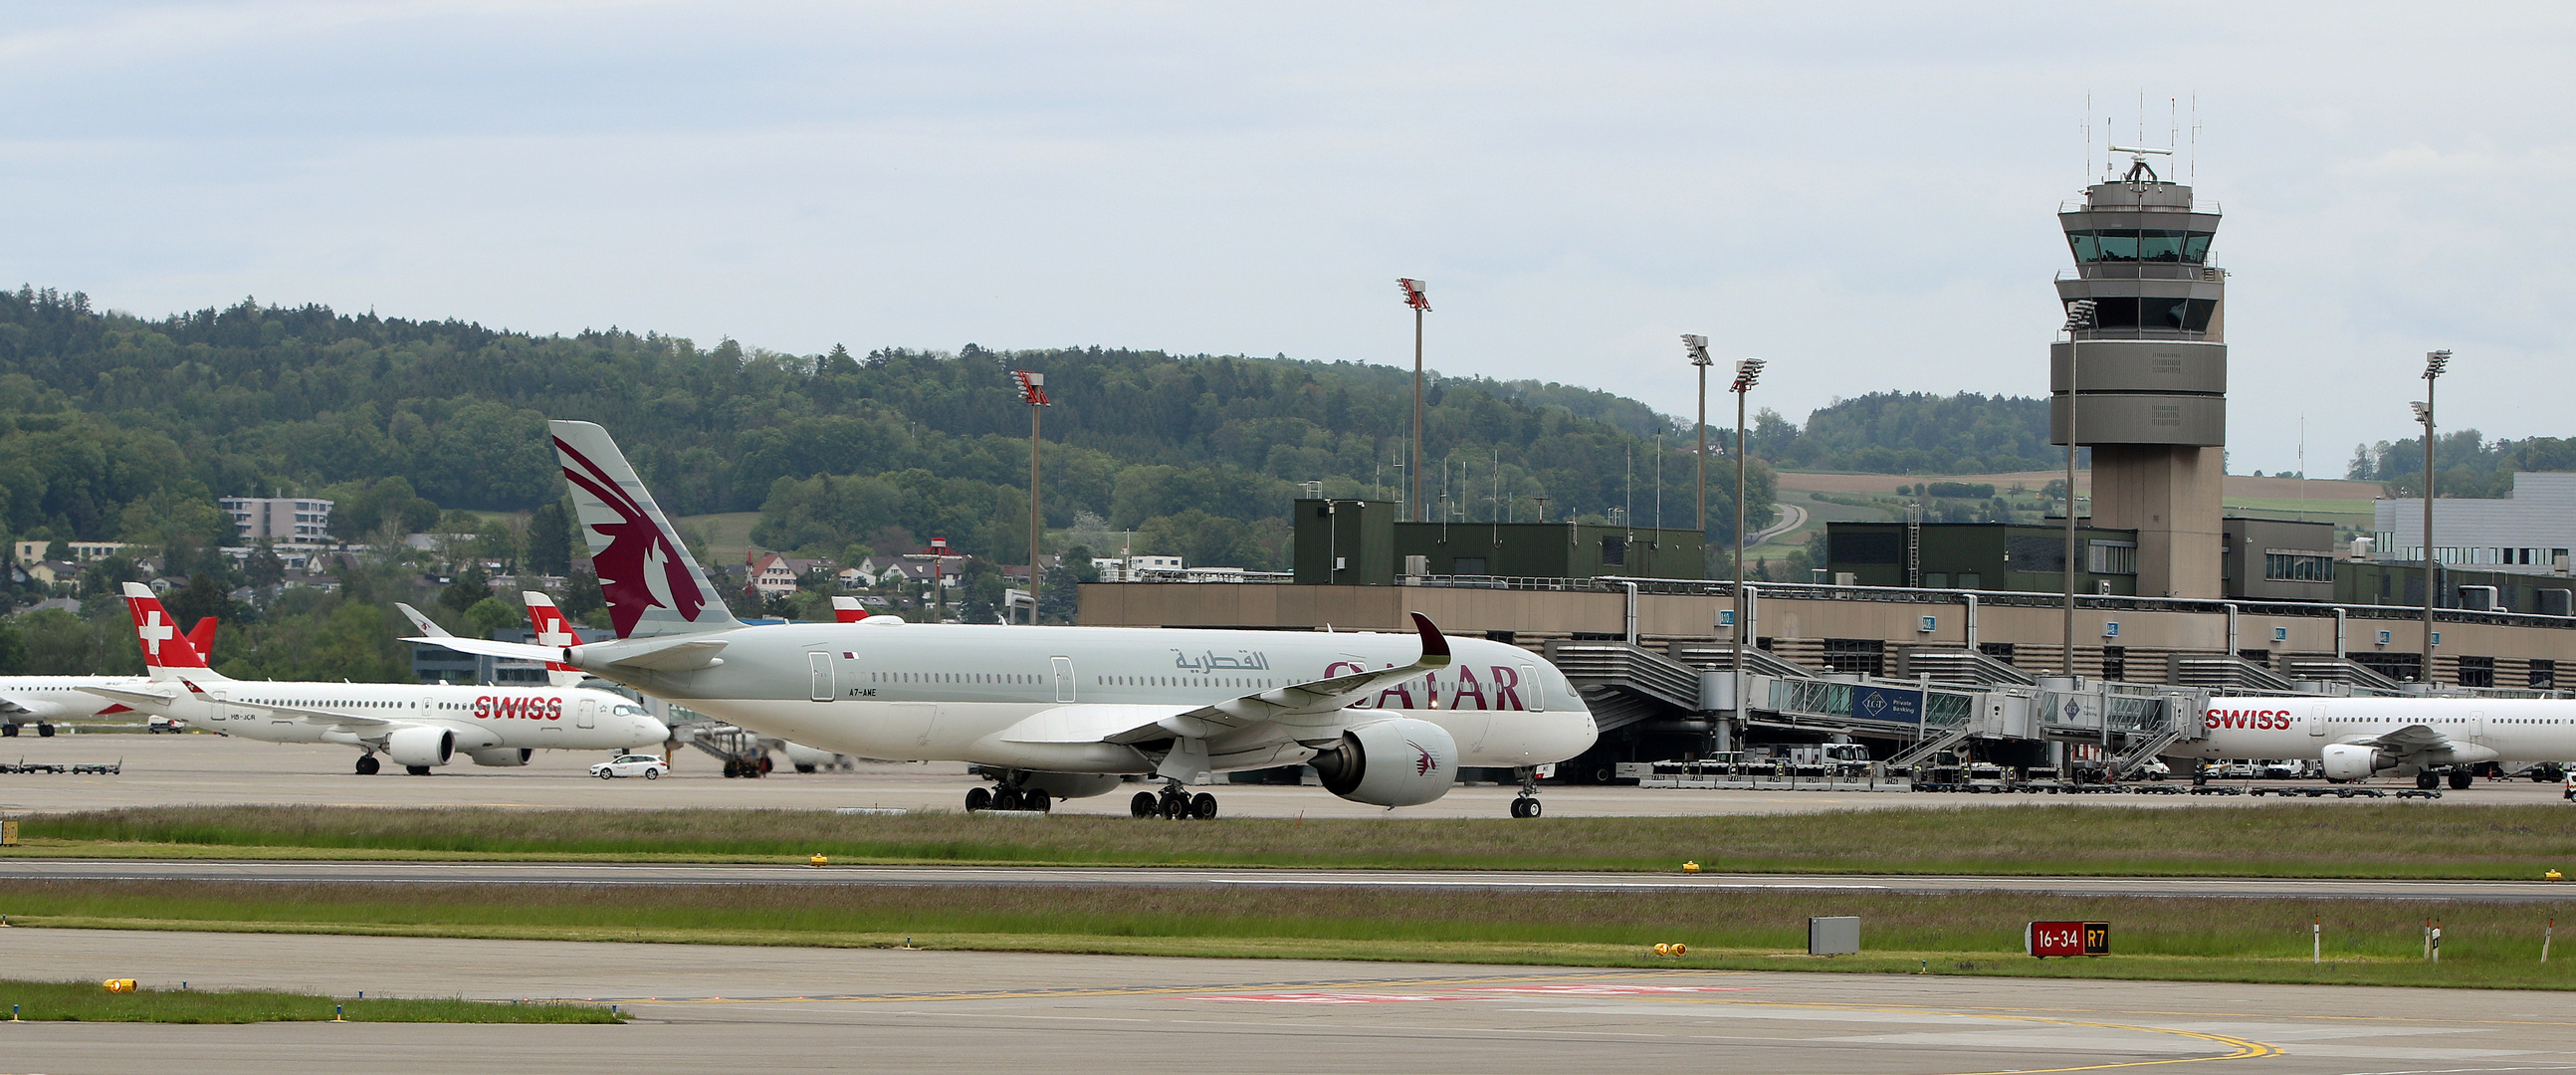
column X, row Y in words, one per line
column 418, row 726
column 42, row 700
column 1385, row 719
column 2357, row 737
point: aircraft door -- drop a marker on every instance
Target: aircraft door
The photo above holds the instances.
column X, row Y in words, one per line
column 589, row 714
column 1063, row 678
column 821, row 663
column 2317, row 719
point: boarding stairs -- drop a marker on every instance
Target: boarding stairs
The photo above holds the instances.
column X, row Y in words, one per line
column 1921, row 752
column 2144, row 750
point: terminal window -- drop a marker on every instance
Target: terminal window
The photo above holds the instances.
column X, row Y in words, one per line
column 2477, row 671
column 2544, row 674
column 2291, row 565
column 2115, row 662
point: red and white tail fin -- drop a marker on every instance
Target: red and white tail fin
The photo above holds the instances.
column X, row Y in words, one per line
column 202, row 636
column 166, row 652
column 653, row 585
column 847, row 610
column 554, row 631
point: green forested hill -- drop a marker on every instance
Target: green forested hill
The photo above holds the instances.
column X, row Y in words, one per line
column 101, row 410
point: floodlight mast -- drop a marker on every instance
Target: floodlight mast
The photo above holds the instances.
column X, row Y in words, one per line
column 1032, row 387
column 2080, row 318
column 1697, row 347
column 1747, row 371
column 1419, row 300
column 2434, row 364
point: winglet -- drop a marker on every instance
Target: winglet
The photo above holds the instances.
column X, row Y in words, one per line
column 1435, row 646
column 420, row 622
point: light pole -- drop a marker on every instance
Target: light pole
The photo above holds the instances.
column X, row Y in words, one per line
column 1746, row 372
column 1697, row 346
column 1033, row 392
column 1420, row 301
column 2079, row 318
column 2434, row 363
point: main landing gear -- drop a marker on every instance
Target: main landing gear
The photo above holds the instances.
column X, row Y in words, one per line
column 1527, row 804
column 10, row 731
column 1007, row 796
column 1173, row 804
column 367, row 765
column 2461, row 779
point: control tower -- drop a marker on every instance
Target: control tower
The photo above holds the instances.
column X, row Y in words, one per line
column 2147, row 381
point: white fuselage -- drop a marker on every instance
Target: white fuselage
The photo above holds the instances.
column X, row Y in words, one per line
column 2515, row 729
column 483, row 718
column 52, row 698
column 951, row 692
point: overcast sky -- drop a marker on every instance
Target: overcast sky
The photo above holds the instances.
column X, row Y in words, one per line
column 1863, row 194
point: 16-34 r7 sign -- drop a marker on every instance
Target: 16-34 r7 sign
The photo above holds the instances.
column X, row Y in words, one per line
column 2044, row 939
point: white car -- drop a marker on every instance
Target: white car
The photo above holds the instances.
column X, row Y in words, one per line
column 644, row 765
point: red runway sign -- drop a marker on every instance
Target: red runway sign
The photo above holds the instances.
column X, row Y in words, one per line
column 2044, row 939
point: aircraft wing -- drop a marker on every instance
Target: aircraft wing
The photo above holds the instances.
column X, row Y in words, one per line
column 316, row 716
column 12, row 705
column 130, row 696
column 2409, row 739
column 1078, row 723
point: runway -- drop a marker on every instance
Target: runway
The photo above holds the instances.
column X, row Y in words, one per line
column 207, row 770
column 793, row 1010
column 1219, row 879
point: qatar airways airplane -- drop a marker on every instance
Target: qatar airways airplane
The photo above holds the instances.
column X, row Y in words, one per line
column 418, row 726
column 1053, row 712
column 2359, row 737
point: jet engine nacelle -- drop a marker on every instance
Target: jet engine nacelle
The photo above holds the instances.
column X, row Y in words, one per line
column 2348, row 762
column 420, row 746
column 1398, row 762
column 501, row 756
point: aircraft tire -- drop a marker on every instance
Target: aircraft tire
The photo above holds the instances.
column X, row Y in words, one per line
column 417, row 770
column 1203, row 806
column 979, row 800
column 1173, row 807
column 8, row 731
column 1142, row 806
column 2462, row 779
column 1035, row 801
column 44, row 731
column 2427, row 780
column 1007, row 799
column 367, row 765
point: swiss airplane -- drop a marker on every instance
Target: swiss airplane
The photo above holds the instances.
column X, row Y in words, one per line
column 1061, row 712
column 2359, row 737
column 417, row 726
column 42, row 700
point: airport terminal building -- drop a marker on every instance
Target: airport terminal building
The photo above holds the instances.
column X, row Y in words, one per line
column 1951, row 636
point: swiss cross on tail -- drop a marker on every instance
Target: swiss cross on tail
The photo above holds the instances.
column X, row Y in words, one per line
column 553, row 630
column 639, row 568
column 163, row 645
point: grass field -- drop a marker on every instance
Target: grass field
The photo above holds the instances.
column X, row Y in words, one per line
column 2340, row 839
column 88, row 1002
column 2366, row 941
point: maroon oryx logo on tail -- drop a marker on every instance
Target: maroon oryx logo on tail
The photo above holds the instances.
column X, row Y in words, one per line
column 634, row 545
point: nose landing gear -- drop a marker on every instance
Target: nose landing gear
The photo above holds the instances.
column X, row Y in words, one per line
column 1526, row 805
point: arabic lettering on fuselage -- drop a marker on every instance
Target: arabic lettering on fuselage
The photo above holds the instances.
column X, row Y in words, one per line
column 1499, row 687
column 1210, row 661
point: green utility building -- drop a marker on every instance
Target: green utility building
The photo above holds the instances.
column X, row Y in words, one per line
column 1359, row 543
column 1981, row 556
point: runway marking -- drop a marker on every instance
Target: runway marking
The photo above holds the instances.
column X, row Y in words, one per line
column 1497, row 992
column 1139, row 991
column 2245, row 1049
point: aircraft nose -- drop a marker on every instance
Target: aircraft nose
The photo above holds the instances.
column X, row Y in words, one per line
column 659, row 731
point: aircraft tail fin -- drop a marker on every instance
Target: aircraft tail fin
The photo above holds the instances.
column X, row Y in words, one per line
column 167, row 654
column 847, row 610
column 553, row 630
column 654, row 587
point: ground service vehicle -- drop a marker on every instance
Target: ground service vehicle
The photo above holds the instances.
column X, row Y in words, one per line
column 647, row 766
